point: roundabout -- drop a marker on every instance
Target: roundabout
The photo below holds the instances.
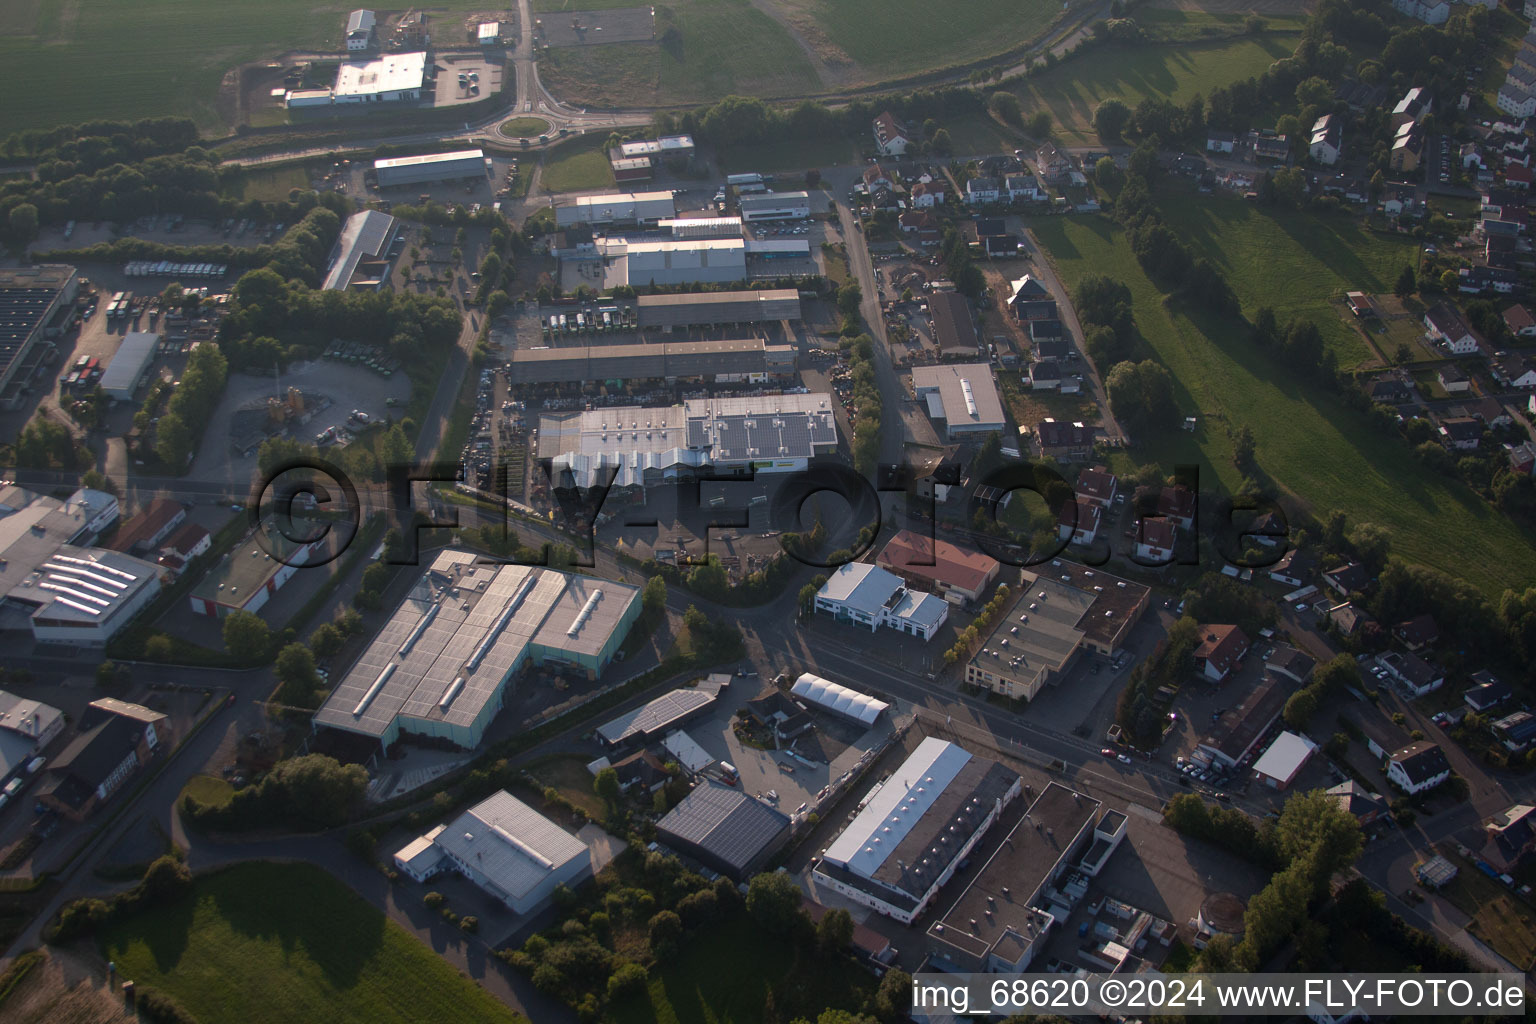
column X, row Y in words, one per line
column 525, row 127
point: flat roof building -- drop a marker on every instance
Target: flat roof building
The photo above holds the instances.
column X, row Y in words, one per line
column 702, row 227
column 725, row 361
column 699, row 309
column 429, row 167
column 250, row 574
column 513, row 852
column 441, row 665
column 639, row 264
column 915, row 828
column 724, row 829
column 962, row 396
column 129, row 365
column 868, row 595
column 26, row 729
column 663, row 147
column 388, row 78
column 31, row 300
column 775, row 206
column 615, row 208
column 360, row 258
column 1061, row 609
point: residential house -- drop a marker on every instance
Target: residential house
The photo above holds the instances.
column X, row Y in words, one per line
column 1155, row 539
column 1515, row 730
column 1454, row 379
column 1069, row 441
column 1486, row 693
column 1360, row 305
column 1381, row 735
column 1268, row 529
column 875, row 178
column 1522, row 457
column 188, row 542
column 1327, row 139
column 1268, row 147
column 1024, row 187
column 1520, row 321
column 990, row 227
column 1178, row 505
column 1481, row 280
column 1461, row 433
column 361, row 28
column 641, row 770
column 923, row 225
column 1042, row 331
column 1035, row 309
column 980, row 191
column 925, row 195
column 891, row 138
column 1471, row 156
column 1407, row 149
column 1413, row 107
column 1389, row 391
column 1045, row 375
column 1221, row 648
column 1418, row 632
column 1418, row 767
column 1220, row 142
column 1367, row 807
column 1050, row 348
column 1096, row 484
column 782, row 713
column 1051, row 165
column 1430, row 12
column 1515, row 99
column 1511, row 839
column 1513, row 371
column 1490, row 411
column 1028, row 289
column 1078, row 522
column 1517, row 175
column 143, row 533
column 1347, row 579
column 1445, row 326
column 1288, row 661
column 1400, row 200
column 114, row 739
column 1294, row 569
column 1416, row 676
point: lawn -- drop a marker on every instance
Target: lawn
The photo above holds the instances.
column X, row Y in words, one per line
column 1312, row 445
column 271, row 185
column 1074, row 89
column 524, row 127
column 68, row 61
column 909, row 36
column 264, row 943
column 1498, row 918
column 208, row 790
column 568, row 774
column 577, row 166
column 1293, row 263
column 688, row 63
column 726, row 976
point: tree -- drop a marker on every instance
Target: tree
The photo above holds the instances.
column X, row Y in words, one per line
column 1300, row 709
column 893, row 999
column 1243, row 450
column 1005, row 107
column 1107, row 174
column 24, row 222
column 834, row 932
column 606, row 786
column 247, row 637
column 106, row 674
column 773, row 900
column 295, row 669
column 1110, row 119
column 1040, row 124
column 325, row 641
column 653, row 599
column 317, row 788
column 1316, row 831
column 1141, row 395
column 663, row 930
column 849, row 296
column 941, row 144
column 173, row 441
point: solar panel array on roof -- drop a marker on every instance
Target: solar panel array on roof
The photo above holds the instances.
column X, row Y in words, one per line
column 27, row 297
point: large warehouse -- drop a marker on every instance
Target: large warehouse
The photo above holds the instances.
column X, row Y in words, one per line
column 361, row 256
column 129, row 365
column 249, row 575
column 953, row 329
column 506, row 848
column 768, row 433
column 442, row 663
column 721, row 361
column 724, row 829
column 701, row 309
column 615, row 208
column 666, row 147
column 671, row 710
column 391, row 78
column 915, row 829
column 701, row 227
column 961, row 396
column 31, row 299
column 673, row 261
column 416, row 170
column 776, row 206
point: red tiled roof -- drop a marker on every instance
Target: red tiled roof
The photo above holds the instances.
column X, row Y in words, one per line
column 150, row 521
column 1097, row 483
column 186, row 537
column 909, row 553
column 1158, row 533
column 1221, row 646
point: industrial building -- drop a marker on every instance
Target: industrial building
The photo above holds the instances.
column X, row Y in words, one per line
column 55, row 585
column 764, row 433
column 1002, row 919
column 671, row 710
column 390, row 78
column 843, row 701
column 26, row 729
column 1238, row 731
column 441, row 665
column 615, row 208
column 113, row 740
column 1060, row 610
column 1279, row 765
column 962, row 397
column 952, row 572
column 361, row 256
column 34, row 301
column 702, row 227
column 142, row 533
column 251, row 574
column 724, row 829
column 129, row 365
column 713, row 309
column 637, row 169
column 717, row 361
column 504, row 847
column 915, row 828
column 673, row 261
column 775, row 206
column 360, row 30
column 867, row 595
column 666, row 147
column 429, row 167
column 953, row 329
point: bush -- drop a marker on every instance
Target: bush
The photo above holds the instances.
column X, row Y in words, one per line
column 434, row 899
column 156, row 1007
column 630, row 977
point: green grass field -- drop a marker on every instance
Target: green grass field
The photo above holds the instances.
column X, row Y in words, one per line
column 263, row 943
column 72, row 60
column 271, row 185
column 1313, row 446
column 1073, row 89
column 901, row 37
column 524, row 127
column 578, row 166
column 208, row 790
column 710, row 982
column 690, row 69
column 1291, row 262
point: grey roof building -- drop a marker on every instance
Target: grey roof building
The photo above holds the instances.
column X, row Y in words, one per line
column 725, row 829
column 513, row 852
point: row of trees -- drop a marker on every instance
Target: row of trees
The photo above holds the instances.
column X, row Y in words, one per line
column 978, row 627
column 309, row 792
column 191, row 407
column 868, row 406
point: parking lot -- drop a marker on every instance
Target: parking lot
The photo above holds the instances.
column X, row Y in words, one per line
column 580, row 28
column 466, row 80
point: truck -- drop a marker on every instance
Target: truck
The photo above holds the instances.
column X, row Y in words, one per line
column 738, row 180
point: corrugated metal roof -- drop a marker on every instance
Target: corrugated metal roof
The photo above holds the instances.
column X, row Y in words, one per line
column 510, row 843
column 724, row 822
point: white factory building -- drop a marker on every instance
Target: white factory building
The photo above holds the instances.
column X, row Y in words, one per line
column 390, row 78
column 430, row 167
column 776, row 206
column 647, row 446
column 867, row 595
column 441, row 665
column 673, row 261
column 915, row 829
column 615, row 208
column 960, row 396
column 129, row 365
column 504, row 847
column 666, row 147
